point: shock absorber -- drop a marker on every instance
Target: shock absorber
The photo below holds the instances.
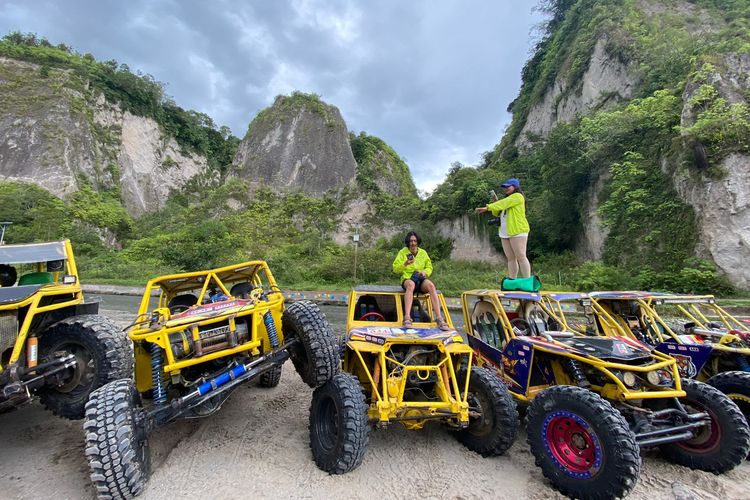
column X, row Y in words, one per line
column 273, row 336
column 574, row 370
column 157, row 362
column 742, row 363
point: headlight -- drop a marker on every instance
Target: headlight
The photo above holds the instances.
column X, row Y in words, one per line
column 659, row 377
column 653, row 378
column 629, row 379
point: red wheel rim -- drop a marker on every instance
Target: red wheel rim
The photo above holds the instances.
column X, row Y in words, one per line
column 572, row 444
column 707, row 438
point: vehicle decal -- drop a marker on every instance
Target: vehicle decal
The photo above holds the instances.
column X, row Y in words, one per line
column 213, row 309
column 690, row 358
column 516, row 362
column 380, row 334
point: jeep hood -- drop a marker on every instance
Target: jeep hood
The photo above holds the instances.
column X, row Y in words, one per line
column 608, row 348
column 605, row 348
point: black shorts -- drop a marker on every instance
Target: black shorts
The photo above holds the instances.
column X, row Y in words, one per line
column 417, row 279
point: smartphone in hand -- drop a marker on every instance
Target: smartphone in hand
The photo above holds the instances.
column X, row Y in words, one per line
column 493, row 195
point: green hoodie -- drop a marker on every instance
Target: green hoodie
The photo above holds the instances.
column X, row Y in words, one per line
column 421, row 263
column 515, row 204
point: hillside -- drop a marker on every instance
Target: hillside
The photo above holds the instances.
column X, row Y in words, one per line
column 93, row 152
column 631, row 135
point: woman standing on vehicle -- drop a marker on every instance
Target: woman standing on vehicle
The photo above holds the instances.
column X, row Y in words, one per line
column 514, row 228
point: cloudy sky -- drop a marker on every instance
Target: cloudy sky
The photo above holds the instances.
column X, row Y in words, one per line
column 431, row 78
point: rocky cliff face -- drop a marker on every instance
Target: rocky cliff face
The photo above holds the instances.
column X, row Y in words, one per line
column 471, row 240
column 299, row 143
column 151, row 164
column 720, row 195
column 55, row 133
column 722, row 202
column 590, row 243
column 606, row 82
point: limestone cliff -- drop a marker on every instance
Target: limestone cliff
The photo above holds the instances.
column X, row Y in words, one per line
column 297, row 144
column 688, row 48
column 606, row 82
column 55, row 131
column 721, row 198
column 471, row 240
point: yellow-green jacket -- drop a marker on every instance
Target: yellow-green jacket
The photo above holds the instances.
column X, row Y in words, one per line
column 515, row 204
column 421, row 263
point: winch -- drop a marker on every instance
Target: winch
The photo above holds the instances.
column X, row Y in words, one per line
column 201, row 341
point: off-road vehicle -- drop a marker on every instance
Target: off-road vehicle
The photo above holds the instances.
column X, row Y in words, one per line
column 197, row 337
column 593, row 400
column 708, row 343
column 412, row 375
column 52, row 343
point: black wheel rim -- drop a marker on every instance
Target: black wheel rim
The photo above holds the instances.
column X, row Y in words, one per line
column 480, row 414
column 82, row 374
column 327, row 424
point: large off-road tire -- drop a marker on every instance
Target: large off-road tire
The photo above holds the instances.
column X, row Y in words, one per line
column 103, row 354
column 495, row 428
column 270, row 378
column 736, row 385
column 582, row 444
column 718, row 447
column 339, row 426
column 117, row 452
column 316, row 356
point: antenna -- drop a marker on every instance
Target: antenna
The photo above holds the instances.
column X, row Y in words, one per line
column 3, row 226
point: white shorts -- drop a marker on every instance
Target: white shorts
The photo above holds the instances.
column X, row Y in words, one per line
column 514, row 236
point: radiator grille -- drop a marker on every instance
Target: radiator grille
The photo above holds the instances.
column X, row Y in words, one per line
column 8, row 330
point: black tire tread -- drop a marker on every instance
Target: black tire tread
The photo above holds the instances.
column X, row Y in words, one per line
column 733, row 449
column 355, row 429
column 505, row 425
column 317, row 359
column 616, row 485
column 116, row 471
column 733, row 382
column 270, row 378
column 113, row 358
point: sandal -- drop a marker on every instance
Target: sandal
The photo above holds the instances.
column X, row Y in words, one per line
column 407, row 323
column 443, row 325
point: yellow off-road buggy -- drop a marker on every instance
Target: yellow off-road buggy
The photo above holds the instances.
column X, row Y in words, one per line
column 593, row 400
column 52, row 343
column 708, row 343
column 197, row 337
column 409, row 375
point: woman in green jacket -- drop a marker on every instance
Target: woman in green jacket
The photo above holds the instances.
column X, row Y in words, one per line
column 414, row 267
column 514, row 228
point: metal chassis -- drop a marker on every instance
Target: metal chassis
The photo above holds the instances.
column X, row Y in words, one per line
column 385, row 407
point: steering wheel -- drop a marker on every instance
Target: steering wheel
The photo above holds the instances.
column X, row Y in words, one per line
column 376, row 315
column 520, row 326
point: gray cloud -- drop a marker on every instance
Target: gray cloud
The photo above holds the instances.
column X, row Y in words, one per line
column 432, row 79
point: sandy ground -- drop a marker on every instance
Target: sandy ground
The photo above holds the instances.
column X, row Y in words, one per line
column 257, row 446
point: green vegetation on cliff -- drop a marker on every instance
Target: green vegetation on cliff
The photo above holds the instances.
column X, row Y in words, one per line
column 286, row 106
column 378, row 165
